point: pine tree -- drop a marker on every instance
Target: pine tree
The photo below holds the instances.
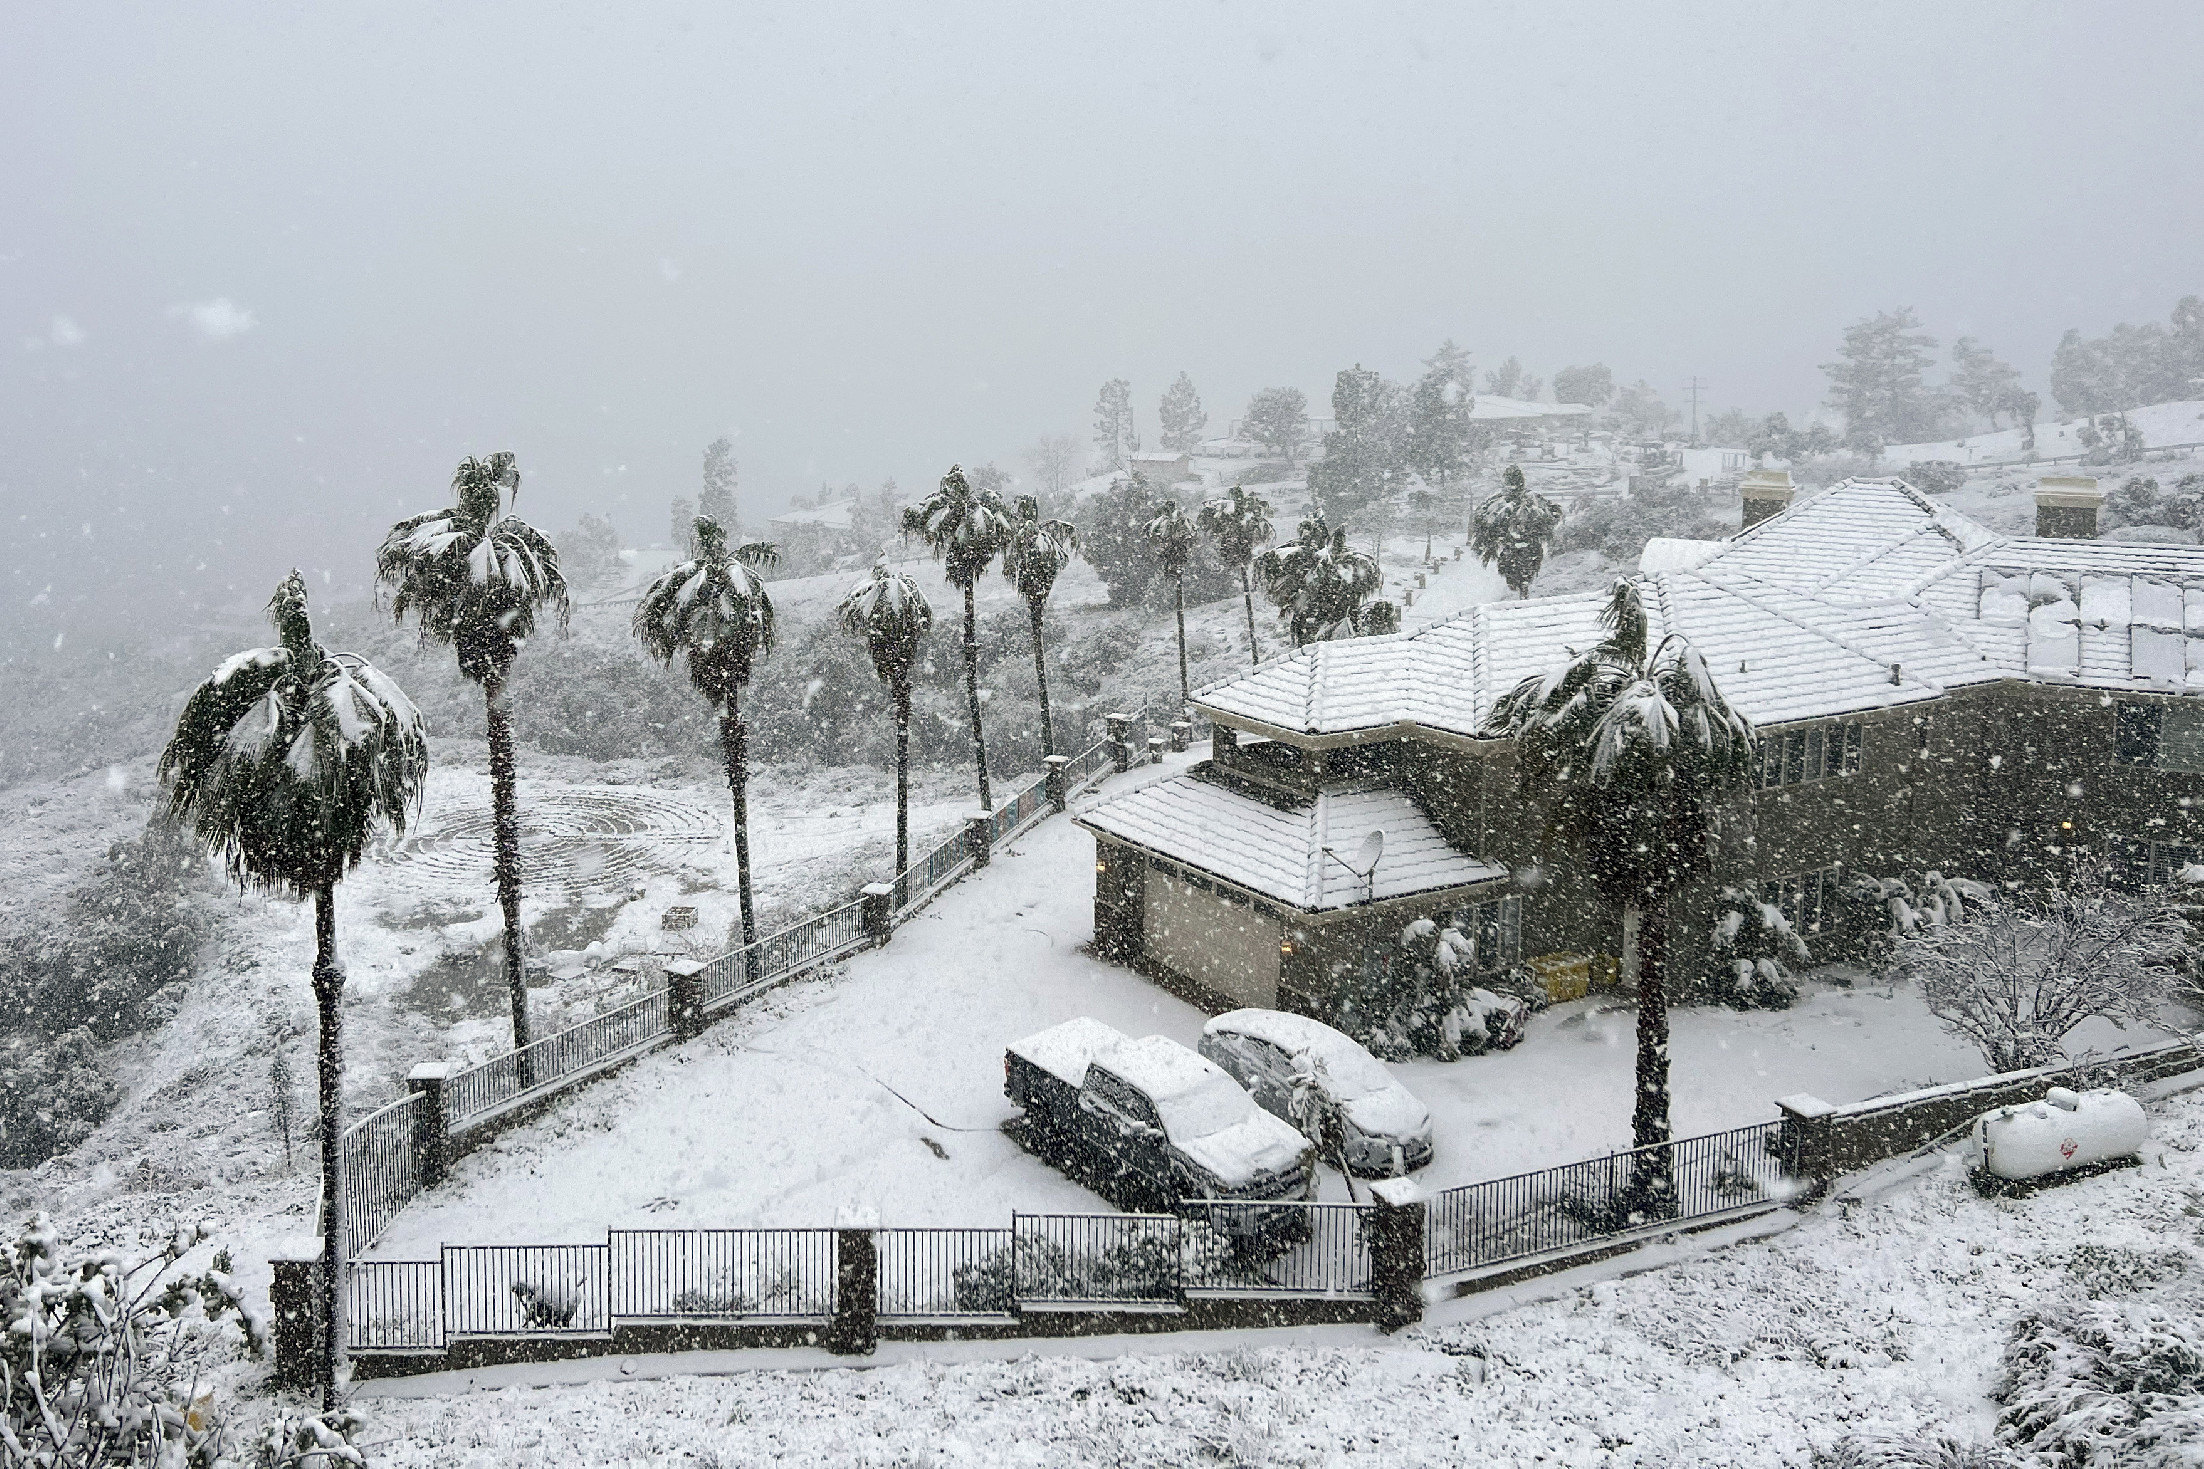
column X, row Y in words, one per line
column 1592, row 386
column 681, row 526
column 1505, row 380
column 1366, row 455
column 1453, row 364
column 1181, row 417
column 1442, row 437
column 1880, row 385
column 1980, row 380
column 1114, row 433
column 717, row 502
column 1278, row 419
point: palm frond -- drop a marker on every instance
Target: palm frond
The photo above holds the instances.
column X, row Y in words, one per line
column 1037, row 550
column 1237, row 522
column 476, row 579
column 966, row 527
column 713, row 611
column 890, row 613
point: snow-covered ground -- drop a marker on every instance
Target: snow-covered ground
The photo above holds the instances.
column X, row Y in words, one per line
column 1885, row 1310
column 2162, row 425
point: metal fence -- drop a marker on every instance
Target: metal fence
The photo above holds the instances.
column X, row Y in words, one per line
column 527, row 1290
column 394, row 1305
column 945, row 1274
column 1019, row 812
column 1096, row 1259
column 1266, row 1249
column 819, row 939
column 1089, row 764
column 916, row 885
column 684, row 1274
column 544, row 1063
column 378, row 1170
column 1507, row 1219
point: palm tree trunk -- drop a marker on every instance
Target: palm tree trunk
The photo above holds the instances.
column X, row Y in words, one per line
column 1653, row 1183
column 1247, row 597
column 328, row 990
column 972, row 693
column 902, row 780
column 734, row 754
column 505, row 807
column 1040, row 676
column 1186, row 694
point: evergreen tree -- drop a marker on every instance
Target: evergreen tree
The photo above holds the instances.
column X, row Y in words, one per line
column 1512, row 530
column 967, row 528
column 1366, row 455
column 1114, row 433
column 717, row 502
column 1442, row 438
column 680, row 527
column 891, row 615
column 1181, row 416
column 476, row 579
column 1506, row 380
column 1318, row 583
column 1879, row 382
column 1629, row 748
column 1640, row 411
column 1236, row 524
column 1033, row 554
column 284, row 763
column 713, row 611
column 1172, row 536
column 1451, row 363
column 1278, row 419
column 1592, row 386
column 1980, row 380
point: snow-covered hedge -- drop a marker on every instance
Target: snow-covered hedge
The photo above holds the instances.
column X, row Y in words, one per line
column 1754, row 945
column 1423, row 1005
column 2112, row 1382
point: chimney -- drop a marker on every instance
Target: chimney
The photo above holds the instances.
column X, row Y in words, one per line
column 2066, row 507
column 1766, row 492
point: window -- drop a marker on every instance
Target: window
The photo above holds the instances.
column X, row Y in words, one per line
column 2164, row 736
column 1800, row 755
column 1807, row 900
column 1494, row 929
column 2168, row 860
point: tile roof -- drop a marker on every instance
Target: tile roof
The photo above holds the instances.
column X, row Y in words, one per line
column 1276, row 847
column 1866, row 596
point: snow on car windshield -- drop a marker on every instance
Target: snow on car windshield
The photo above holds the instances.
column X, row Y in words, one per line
column 1211, row 1105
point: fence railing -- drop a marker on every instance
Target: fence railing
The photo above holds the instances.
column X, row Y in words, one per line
column 1088, row 764
column 917, row 884
column 723, row 1274
column 1018, row 813
column 1505, row 1219
column 945, row 1274
column 394, row 1305
column 527, row 1290
column 1096, row 1259
column 819, row 939
column 543, row 1064
column 378, row 1170
column 1248, row 1249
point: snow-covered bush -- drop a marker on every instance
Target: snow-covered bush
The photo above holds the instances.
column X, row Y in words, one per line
column 1911, row 1451
column 2106, row 1382
column 1936, row 476
column 1887, row 909
column 101, row 1354
column 1754, row 945
column 53, row 1092
column 1420, row 1005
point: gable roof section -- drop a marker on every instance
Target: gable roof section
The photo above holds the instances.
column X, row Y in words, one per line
column 1277, row 850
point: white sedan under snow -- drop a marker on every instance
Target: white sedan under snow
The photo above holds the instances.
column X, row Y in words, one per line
column 1381, row 1127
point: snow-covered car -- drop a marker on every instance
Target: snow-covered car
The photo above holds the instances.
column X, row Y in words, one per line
column 1382, row 1129
column 1153, row 1124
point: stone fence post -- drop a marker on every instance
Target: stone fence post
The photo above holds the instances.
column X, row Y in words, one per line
column 1805, row 1141
column 978, row 837
column 1155, row 749
column 432, row 1139
column 855, row 1329
column 685, row 997
column 294, row 1301
column 1182, row 734
column 1121, row 740
column 1059, row 780
column 1396, row 1223
column 878, row 914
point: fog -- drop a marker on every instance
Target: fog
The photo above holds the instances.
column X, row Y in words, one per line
column 267, row 272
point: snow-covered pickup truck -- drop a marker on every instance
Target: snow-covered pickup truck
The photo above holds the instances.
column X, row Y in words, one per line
column 1152, row 1125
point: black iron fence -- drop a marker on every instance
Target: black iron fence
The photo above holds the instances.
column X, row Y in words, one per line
column 1506, row 1219
column 722, row 1274
column 527, row 1290
column 1108, row 1260
column 1261, row 1249
column 945, row 1274
column 378, row 1169
column 548, row 1065
column 394, row 1305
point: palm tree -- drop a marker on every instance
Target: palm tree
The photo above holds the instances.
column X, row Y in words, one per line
column 966, row 528
column 1035, row 552
column 1512, row 528
column 285, row 761
column 1633, row 749
column 714, row 610
column 1236, row 523
column 1317, row 580
column 1171, row 536
column 476, row 579
column 891, row 615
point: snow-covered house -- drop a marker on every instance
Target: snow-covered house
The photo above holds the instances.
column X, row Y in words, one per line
column 1927, row 694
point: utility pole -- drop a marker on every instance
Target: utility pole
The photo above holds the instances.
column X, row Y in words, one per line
column 1695, row 389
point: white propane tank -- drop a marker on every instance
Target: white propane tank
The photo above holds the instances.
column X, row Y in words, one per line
column 2064, row 1131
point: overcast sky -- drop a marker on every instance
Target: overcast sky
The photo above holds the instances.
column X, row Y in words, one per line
column 268, row 272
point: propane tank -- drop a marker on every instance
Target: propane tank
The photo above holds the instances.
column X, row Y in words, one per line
column 2064, row 1131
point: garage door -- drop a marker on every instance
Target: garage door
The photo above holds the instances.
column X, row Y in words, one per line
column 1213, row 936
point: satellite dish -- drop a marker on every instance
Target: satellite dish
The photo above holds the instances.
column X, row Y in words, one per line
column 1372, row 848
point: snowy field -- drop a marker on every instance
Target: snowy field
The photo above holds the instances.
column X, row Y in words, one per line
column 1886, row 1313
column 881, row 1085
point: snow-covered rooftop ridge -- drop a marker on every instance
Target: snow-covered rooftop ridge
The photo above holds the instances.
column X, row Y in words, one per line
column 1868, row 595
column 1276, row 848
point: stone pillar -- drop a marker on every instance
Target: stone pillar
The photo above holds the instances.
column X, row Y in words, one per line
column 1059, row 780
column 1420, row 583
column 1765, row 493
column 978, row 833
column 878, row 914
column 1121, row 740
column 1222, row 737
column 294, row 1303
column 432, row 1141
column 1119, row 896
column 2067, row 506
column 1395, row 1224
column 1155, row 749
column 1805, row 1141
column 855, row 1329
column 685, row 997
column 1182, row 734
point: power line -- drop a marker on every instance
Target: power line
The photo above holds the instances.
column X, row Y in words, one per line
column 1696, row 387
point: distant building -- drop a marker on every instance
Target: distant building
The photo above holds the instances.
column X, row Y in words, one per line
column 834, row 517
column 1515, row 414
column 1161, row 469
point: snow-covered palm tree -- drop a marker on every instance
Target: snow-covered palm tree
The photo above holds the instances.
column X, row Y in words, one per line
column 1512, row 528
column 1632, row 748
column 891, row 615
column 713, row 610
column 1171, row 537
column 284, row 763
column 966, row 528
column 477, row 579
column 1236, row 523
column 1317, row 580
column 1033, row 555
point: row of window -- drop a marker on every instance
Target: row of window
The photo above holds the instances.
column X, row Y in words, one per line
column 1807, row 900
column 2163, row 736
column 1801, row 755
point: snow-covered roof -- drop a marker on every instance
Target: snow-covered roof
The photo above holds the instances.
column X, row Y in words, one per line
column 1491, row 406
column 830, row 517
column 1867, row 596
column 1275, row 847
